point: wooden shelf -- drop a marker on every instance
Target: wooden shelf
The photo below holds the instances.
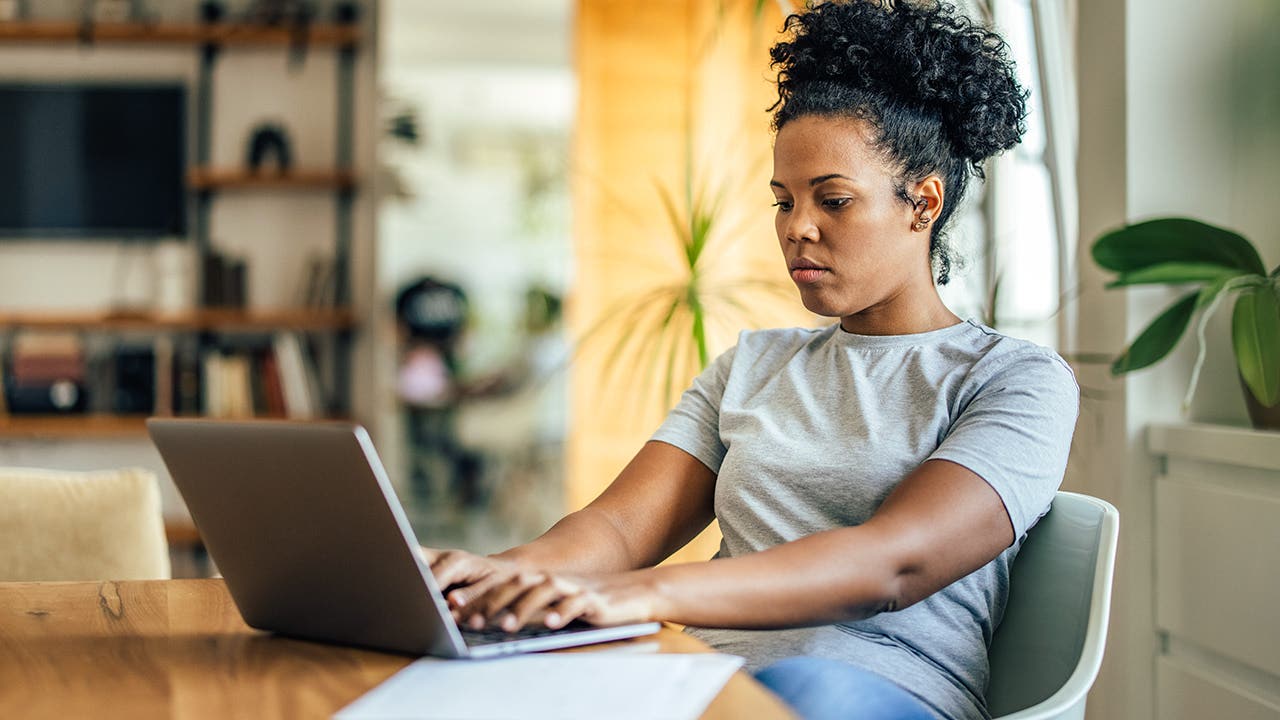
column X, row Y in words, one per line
column 321, row 35
column 181, row 532
column 72, row 426
column 80, row 426
column 196, row 320
column 232, row 179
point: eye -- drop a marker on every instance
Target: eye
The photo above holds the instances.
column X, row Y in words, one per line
column 783, row 205
column 836, row 203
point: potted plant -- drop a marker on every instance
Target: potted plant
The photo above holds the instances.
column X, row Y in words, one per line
column 1218, row 263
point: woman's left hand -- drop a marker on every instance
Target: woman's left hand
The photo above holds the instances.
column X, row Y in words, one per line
column 556, row 600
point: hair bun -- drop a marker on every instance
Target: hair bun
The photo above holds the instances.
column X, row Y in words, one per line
column 920, row 54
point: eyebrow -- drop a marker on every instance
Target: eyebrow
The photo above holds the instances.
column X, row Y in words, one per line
column 817, row 180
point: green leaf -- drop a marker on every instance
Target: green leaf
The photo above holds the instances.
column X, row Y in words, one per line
column 678, row 224
column 1168, row 240
column 1255, row 335
column 1173, row 273
column 693, row 300
column 1210, row 292
column 1159, row 338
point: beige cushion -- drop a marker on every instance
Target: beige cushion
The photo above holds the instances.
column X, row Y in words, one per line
column 101, row 525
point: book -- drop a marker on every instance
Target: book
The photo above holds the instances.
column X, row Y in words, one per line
column 186, row 382
column 257, row 391
column 48, row 343
column 133, row 376
column 318, row 287
column 211, row 400
column 299, row 402
column 164, row 376
column 43, row 358
column 271, row 390
column 236, row 385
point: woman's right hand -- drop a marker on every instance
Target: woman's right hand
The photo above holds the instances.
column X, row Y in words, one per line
column 463, row 577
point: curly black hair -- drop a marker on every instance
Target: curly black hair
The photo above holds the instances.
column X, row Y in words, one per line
column 939, row 89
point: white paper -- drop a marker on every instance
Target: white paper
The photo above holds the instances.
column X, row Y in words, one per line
column 562, row 686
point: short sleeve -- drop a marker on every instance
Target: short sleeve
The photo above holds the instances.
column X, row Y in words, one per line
column 694, row 424
column 1016, row 433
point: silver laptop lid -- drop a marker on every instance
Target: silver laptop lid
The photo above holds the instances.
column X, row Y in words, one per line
column 305, row 527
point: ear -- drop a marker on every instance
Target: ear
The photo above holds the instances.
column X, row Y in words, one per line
column 930, row 196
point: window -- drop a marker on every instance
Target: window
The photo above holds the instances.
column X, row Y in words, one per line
column 1017, row 232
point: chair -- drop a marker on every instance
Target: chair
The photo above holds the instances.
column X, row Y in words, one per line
column 1046, row 653
column 103, row 525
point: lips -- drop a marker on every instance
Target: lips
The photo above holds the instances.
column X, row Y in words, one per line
column 805, row 271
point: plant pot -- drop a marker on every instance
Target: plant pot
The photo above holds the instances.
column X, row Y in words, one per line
column 1262, row 417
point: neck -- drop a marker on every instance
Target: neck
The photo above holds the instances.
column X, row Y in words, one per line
column 901, row 315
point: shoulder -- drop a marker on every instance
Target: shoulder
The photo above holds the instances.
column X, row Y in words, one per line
column 1002, row 362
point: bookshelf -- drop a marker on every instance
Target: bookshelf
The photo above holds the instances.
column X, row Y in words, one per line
column 233, row 34
column 81, row 427
column 237, row 179
column 325, row 332
column 207, row 320
column 96, row 426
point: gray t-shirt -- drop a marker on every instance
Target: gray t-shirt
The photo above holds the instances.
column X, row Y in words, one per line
column 810, row 430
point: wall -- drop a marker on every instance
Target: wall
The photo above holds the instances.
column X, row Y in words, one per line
column 1189, row 128
column 275, row 231
column 656, row 78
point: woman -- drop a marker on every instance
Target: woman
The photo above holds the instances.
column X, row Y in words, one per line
column 874, row 479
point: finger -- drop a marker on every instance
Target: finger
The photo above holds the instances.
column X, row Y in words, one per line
column 465, row 596
column 428, row 554
column 504, row 593
column 460, row 570
column 473, row 619
column 567, row 610
column 451, row 567
column 532, row 605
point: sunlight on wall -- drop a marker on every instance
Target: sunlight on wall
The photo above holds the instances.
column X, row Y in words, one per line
column 672, row 98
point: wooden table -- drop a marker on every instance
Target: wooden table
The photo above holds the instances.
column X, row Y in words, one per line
column 178, row 648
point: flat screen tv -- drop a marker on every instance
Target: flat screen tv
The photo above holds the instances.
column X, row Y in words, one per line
column 92, row 161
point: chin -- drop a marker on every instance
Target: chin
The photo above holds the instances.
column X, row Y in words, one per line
column 821, row 306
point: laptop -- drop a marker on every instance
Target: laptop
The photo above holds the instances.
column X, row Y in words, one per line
column 305, row 528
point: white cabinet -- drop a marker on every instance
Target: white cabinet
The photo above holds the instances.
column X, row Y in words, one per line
column 1217, row 572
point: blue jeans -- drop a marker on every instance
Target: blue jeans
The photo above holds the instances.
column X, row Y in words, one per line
column 822, row 689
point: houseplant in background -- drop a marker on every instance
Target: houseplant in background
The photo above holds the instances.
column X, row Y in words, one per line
column 1220, row 264
column 659, row 337
column 701, row 261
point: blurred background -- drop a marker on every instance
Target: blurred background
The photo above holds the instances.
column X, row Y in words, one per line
column 504, row 236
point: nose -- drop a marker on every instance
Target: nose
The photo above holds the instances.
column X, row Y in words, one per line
column 799, row 226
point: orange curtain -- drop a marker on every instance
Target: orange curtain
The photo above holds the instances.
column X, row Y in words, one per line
column 673, row 102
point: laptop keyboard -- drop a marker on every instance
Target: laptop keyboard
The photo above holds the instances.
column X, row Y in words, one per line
column 490, row 636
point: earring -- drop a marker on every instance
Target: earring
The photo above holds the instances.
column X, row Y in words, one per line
column 922, row 223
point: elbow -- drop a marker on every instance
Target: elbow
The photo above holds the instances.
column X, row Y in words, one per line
column 894, row 583
column 881, row 589
column 889, row 571
column 894, row 591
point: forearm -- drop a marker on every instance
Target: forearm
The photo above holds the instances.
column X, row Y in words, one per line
column 660, row 501
column 940, row 524
column 584, row 542
column 813, row 581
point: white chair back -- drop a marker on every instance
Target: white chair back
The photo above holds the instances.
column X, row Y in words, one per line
column 1046, row 653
